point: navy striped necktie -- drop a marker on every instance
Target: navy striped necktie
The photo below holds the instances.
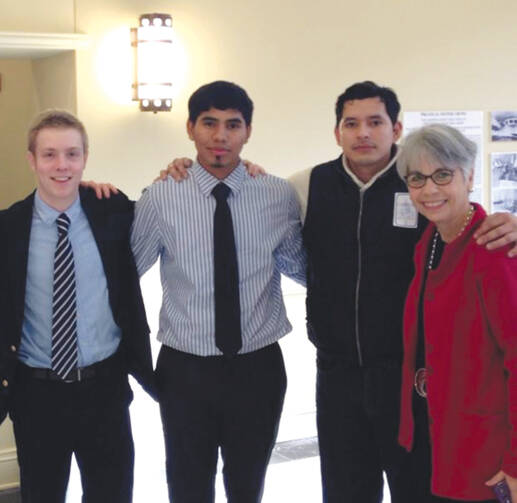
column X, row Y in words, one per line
column 226, row 277
column 64, row 312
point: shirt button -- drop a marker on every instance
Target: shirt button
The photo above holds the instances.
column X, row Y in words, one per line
column 13, row 348
column 5, row 383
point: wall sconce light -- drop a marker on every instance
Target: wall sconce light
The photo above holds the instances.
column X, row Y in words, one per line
column 153, row 52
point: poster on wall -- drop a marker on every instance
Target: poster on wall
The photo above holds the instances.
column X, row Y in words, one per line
column 504, row 181
column 503, row 125
column 470, row 123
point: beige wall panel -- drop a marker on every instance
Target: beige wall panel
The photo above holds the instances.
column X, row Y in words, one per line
column 294, row 58
column 52, row 16
column 17, row 107
column 54, row 81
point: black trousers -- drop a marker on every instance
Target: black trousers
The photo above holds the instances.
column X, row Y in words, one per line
column 212, row 403
column 358, row 419
column 90, row 418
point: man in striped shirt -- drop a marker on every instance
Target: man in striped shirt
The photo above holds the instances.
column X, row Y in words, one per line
column 212, row 398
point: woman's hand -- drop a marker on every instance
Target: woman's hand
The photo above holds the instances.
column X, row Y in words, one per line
column 512, row 483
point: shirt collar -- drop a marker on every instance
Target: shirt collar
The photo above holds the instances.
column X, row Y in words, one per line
column 364, row 186
column 207, row 182
column 49, row 215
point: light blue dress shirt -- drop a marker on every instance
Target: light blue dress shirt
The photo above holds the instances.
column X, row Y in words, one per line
column 174, row 222
column 97, row 334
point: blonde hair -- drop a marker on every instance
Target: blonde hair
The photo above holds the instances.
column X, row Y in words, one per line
column 55, row 118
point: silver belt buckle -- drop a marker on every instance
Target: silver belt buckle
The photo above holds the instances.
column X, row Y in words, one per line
column 77, row 379
column 421, row 382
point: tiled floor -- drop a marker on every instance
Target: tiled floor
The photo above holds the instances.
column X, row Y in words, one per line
column 10, row 496
column 294, row 450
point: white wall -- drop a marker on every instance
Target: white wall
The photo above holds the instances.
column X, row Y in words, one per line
column 37, row 15
column 294, row 58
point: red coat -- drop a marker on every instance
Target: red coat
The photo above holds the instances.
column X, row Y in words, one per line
column 471, row 353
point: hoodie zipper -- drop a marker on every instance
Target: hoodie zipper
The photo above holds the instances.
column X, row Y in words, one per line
column 358, row 281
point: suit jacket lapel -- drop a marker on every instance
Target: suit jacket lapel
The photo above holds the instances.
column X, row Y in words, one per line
column 99, row 224
column 94, row 214
column 18, row 253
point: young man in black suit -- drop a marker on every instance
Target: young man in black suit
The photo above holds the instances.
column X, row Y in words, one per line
column 72, row 324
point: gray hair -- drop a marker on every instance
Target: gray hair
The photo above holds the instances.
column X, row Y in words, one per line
column 437, row 143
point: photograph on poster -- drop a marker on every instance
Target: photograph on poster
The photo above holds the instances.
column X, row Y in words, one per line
column 504, row 125
column 504, row 182
column 469, row 122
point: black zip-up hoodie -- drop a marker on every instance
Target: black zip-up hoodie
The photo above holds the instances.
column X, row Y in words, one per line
column 359, row 266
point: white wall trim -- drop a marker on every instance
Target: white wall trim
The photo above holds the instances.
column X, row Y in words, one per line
column 15, row 44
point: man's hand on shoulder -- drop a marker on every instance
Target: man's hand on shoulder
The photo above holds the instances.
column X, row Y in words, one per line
column 177, row 169
column 102, row 190
column 253, row 170
column 498, row 230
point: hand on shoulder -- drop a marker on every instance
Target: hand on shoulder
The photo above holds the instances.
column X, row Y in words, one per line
column 498, row 230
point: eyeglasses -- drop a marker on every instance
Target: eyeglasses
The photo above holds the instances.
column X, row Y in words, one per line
column 417, row 180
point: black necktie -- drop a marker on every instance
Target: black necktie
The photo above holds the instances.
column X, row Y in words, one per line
column 64, row 314
column 226, row 277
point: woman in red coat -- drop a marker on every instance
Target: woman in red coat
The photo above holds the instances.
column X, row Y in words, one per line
column 460, row 328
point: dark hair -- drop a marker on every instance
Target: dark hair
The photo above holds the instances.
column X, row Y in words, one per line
column 221, row 95
column 369, row 89
column 54, row 118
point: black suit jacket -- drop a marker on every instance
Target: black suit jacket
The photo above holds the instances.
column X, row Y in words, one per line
column 110, row 221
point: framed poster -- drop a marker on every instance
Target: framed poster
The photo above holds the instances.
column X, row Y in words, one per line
column 503, row 125
column 504, row 181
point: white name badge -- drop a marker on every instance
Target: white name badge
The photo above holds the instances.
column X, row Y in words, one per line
column 404, row 213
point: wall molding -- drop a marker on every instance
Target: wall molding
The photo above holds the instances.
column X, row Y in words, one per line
column 14, row 44
column 9, row 473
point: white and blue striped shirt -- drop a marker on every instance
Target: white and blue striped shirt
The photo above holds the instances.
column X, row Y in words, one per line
column 174, row 221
